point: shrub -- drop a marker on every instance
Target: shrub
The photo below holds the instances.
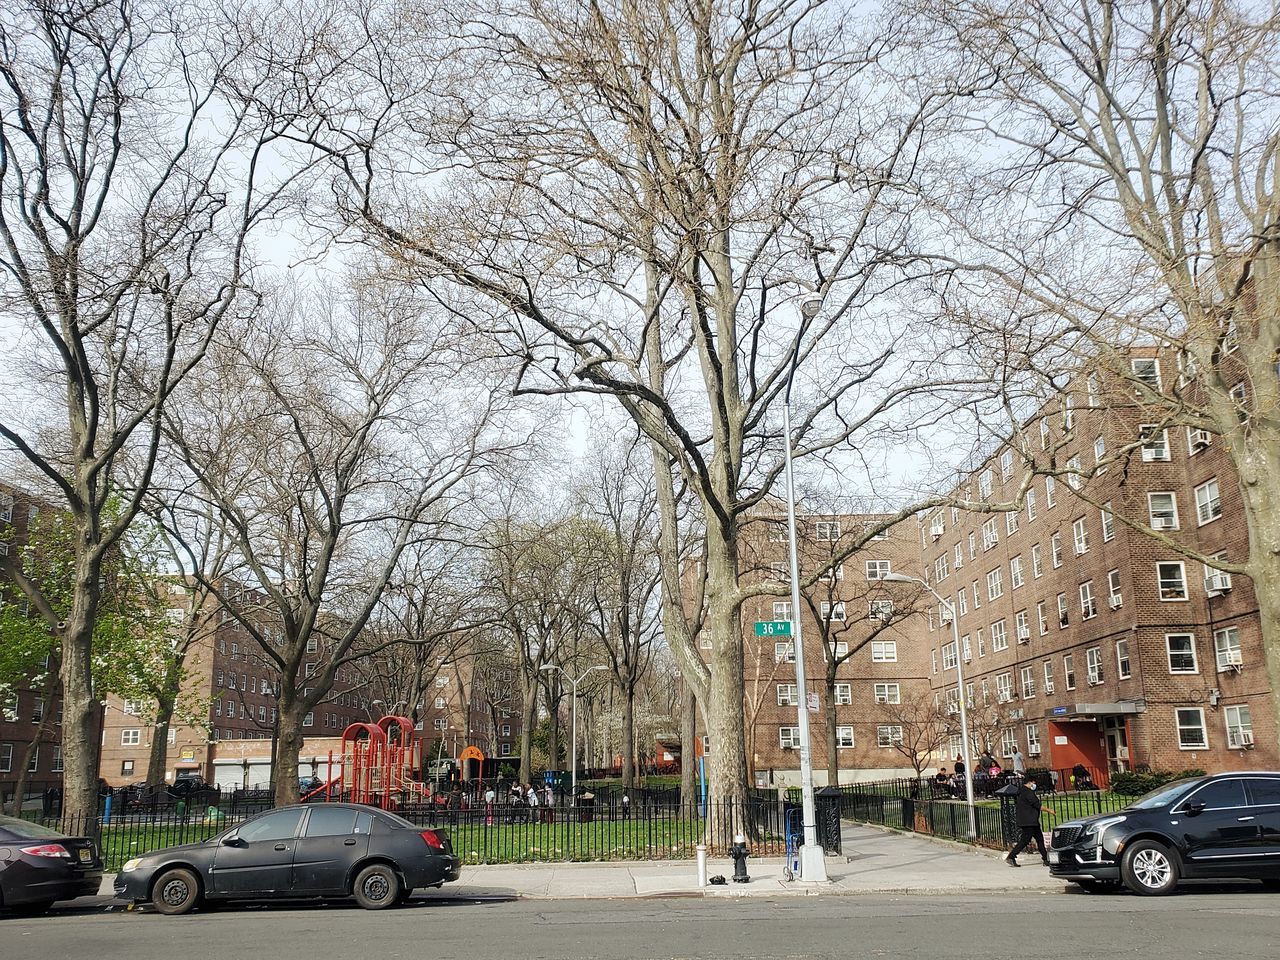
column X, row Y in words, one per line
column 1135, row 784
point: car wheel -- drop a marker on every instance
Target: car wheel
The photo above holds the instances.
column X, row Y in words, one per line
column 376, row 887
column 1149, row 868
column 1099, row 886
column 175, row 892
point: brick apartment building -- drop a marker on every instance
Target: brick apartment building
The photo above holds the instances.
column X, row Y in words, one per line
column 1095, row 643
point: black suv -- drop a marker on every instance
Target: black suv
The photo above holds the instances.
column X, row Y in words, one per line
column 1225, row 826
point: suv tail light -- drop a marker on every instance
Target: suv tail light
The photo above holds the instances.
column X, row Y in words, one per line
column 433, row 840
column 47, row 850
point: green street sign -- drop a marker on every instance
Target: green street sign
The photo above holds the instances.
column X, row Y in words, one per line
column 773, row 628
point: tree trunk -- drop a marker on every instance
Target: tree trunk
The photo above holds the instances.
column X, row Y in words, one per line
column 81, row 743
column 157, row 763
column 833, row 756
column 24, row 762
column 688, row 751
column 284, row 776
column 727, row 769
column 628, row 738
column 1259, row 473
column 553, row 737
column 528, row 715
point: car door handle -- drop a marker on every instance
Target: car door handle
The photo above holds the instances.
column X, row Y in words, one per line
column 348, row 843
column 1243, row 819
column 282, row 846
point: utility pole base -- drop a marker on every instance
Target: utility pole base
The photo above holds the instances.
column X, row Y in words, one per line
column 813, row 864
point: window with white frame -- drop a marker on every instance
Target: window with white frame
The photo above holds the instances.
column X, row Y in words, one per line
column 1042, row 616
column 1033, row 739
column 990, row 537
column 839, row 649
column 1031, row 505
column 995, row 583
column 1182, row 653
column 782, row 609
column 827, row 530
column 973, row 545
column 1115, row 599
column 959, row 557
column 977, row 597
column 1068, row 412
column 1050, row 491
column 1216, row 581
column 1239, row 726
column 1027, row 679
column 1146, row 371
column 1069, row 671
column 442, row 681
column 1080, row 536
column 1155, row 442
column 1108, row 523
column 440, row 703
column 780, row 571
column 57, row 758
column 1198, row 440
column 1006, row 465
column 1091, row 389
column 933, row 656
column 1055, row 550
column 986, row 696
column 1191, row 730
column 1010, row 522
column 1171, row 580
column 962, row 601
column 888, row 693
column 1099, row 453
column 1004, row 687
column 1093, row 663
column 1088, row 606
column 1048, row 676
column 937, row 525
column 833, row 612
column 844, row 737
column 999, row 636
column 1037, row 561
column 776, row 531
column 1162, row 510
column 1226, row 649
column 982, row 642
column 1123, row 668
column 1064, row 616
column 887, row 735
column 1015, row 573
column 1074, row 471
column 1208, row 502
column 440, row 723
column 784, row 651
column 878, row 569
column 984, row 483
column 834, row 573
column 130, row 738
column 789, row 737
column 1022, row 626
column 884, row 651
column 881, row 610
column 949, row 656
column 941, row 569
column 844, row 694
column 787, row 696
column 1044, row 434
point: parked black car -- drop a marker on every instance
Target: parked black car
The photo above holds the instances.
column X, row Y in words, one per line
column 1225, row 826
column 317, row 850
column 39, row 866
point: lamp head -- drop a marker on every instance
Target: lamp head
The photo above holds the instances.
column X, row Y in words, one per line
column 898, row 578
column 810, row 305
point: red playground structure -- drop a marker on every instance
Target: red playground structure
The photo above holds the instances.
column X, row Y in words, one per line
column 377, row 766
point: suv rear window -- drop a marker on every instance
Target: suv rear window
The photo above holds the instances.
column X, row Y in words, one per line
column 1265, row 792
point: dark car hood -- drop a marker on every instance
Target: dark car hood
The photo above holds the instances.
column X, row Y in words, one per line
column 181, row 848
column 1093, row 818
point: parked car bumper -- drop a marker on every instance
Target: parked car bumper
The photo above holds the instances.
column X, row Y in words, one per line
column 50, row 880
column 133, row 886
column 433, row 872
column 1083, row 863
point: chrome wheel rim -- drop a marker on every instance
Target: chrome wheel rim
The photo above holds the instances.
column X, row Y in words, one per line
column 175, row 893
column 376, row 887
column 1152, row 868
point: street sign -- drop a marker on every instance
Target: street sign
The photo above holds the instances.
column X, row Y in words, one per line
column 813, row 703
column 773, row 628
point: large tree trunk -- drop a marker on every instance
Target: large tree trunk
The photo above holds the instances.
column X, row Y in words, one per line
column 688, row 750
column 157, row 763
column 80, row 709
column 727, row 769
column 833, row 756
column 628, row 738
column 284, row 775
column 528, row 715
column 553, row 737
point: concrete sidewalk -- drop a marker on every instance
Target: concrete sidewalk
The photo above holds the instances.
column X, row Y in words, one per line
column 875, row 861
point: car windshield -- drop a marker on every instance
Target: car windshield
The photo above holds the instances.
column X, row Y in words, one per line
column 26, row 830
column 1163, row 796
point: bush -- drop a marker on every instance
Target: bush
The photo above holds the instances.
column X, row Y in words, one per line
column 1136, row 783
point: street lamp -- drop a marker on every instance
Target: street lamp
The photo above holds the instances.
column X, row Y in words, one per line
column 573, row 712
column 394, row 707
column 964, row 716
column 813, row 866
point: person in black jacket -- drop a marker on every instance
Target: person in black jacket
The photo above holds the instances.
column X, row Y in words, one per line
column 1027, row 810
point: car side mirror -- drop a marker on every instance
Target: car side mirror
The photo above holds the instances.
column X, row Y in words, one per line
column 1194, row 808
column 233, row 841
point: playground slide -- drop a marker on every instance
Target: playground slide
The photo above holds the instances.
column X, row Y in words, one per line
column 322, row 791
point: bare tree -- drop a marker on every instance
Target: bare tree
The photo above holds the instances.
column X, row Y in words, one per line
column 1135, row 141
column 132, row 169
column 329, row 442
column 918, row 727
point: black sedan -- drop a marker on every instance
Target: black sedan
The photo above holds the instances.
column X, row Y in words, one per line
column 1225, row 827
column 312, row 851
column 39, row 866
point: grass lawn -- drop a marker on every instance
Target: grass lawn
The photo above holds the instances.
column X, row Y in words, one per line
column 1070, row 806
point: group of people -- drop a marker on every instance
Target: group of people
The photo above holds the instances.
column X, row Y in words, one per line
column 523, row 802
column 987, row 774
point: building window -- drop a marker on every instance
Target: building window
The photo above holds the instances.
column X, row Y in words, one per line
column 130, row 738
column 1088, row 606
column 6, row 757
column 982, row 644
column 784, row 651
column 1115, row 599
column 834, row 573
column 1198, row 440
column 1080, row 536
column 1182, row 653
column 1074, row 473
column 887, row 735
column 1010, row 522
column 995, row 584
column 1108, row 523
column 1123, row 670
column 1239, row 726
column 505, row 749
column 973, row 546
column 827, row 530
column 949, row 656
column 1191, row 730
column 1006, row 465
column 1155, row 443
column 1037, row 562
column 989, row 535
column 1069, row 671
column 1015, row 573
column 977, row 598
column 1033, row 739
column 1216, row 582
column 442, row 681
column 1063, row 617
column 1171, row 578
column 1043, row 616
column 1055, row 550
column 1099, row 453
column 1147, row 371
column 782, row 609
column 789, row 737
column 1022, row 626
column 984, row 483
column 881, row 610
column 1093, row 662
column 999, row 637
column 1050, row 491
column 57, row 758
column 1048, row 676
column 844, row 694
column 839, row 649
column 884, row 651
column 878, row 569
column 440, row 723
column 704, row 639
column 1044, row 434
column 1027, row 678
column 1208, row 502
column 1008, row 743
column 1004, row 687
column 1031, row 505
column 832, row 611
column 941, row 570
column 506, row 730
column 1226, row 649
column 888, row 693
column 309, row 719
column 787, row 695
column 844, row 737
column 126, row 768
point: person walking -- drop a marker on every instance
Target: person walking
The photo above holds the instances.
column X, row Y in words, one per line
column 1019, row 761
column 1026, row 807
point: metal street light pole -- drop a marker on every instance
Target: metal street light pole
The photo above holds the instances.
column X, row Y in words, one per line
column 573, row 713
column 813, row 867
column 964, row 714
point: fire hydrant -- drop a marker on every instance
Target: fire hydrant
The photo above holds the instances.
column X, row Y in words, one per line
column 739, row 852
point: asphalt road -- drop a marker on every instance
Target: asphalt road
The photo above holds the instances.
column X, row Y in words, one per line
column 1227, row 922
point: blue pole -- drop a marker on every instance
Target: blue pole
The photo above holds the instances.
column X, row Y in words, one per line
column 106, row 809
column 702, row 780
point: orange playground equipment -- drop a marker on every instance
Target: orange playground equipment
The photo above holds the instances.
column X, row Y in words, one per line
column 376, row 766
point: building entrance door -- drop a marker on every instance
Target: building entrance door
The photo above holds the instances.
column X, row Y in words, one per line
column 1116, row 732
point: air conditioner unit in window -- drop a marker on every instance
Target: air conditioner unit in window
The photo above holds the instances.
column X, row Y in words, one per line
column 1095, row 683
column 1246, row 738
column 1115, row 602
column 882, row 699
column 1217, row 584
column 1024, row 634
column 1162, row 523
